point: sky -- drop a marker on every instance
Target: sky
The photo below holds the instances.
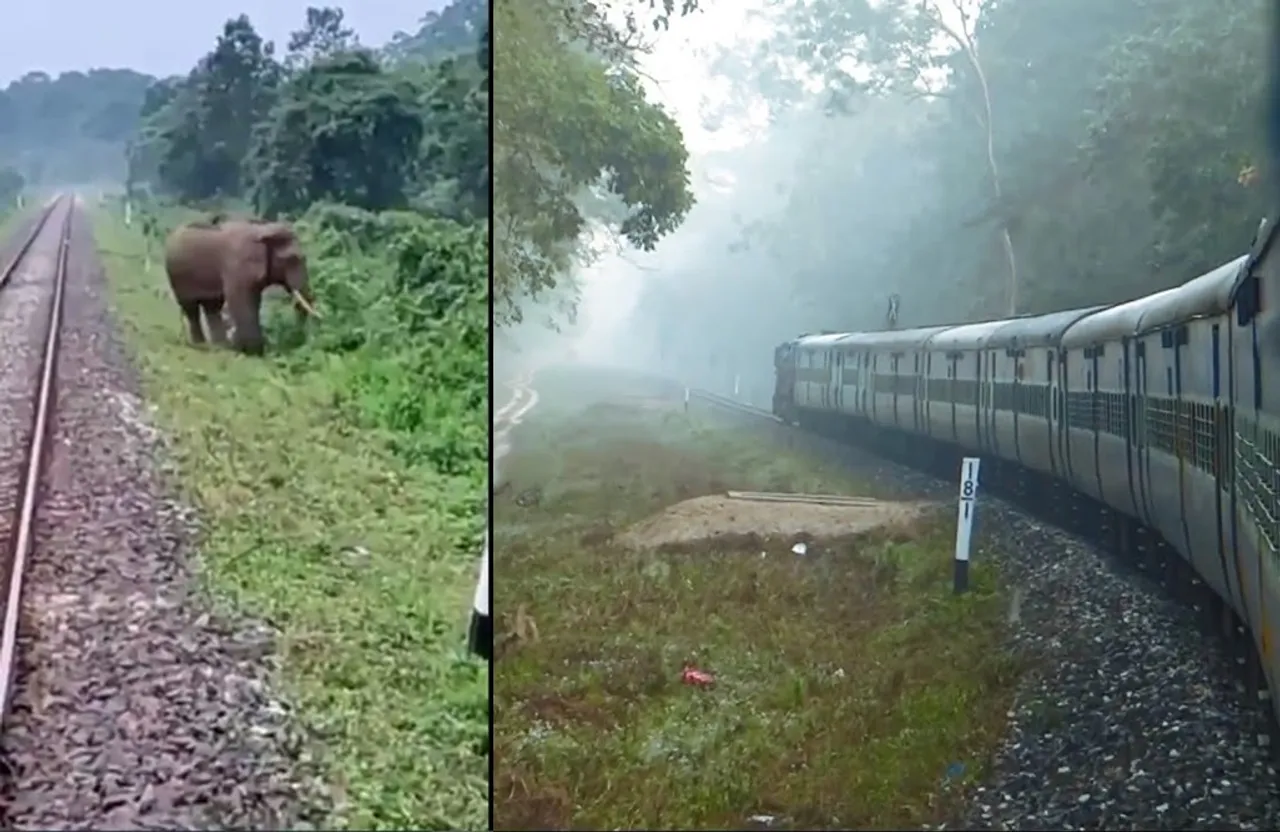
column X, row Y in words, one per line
column 680, row 79
column 162, row 37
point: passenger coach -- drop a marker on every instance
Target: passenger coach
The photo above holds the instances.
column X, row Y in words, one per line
column 1161, row 409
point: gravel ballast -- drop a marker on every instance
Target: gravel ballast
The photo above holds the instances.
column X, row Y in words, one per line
column 1131, row 718
column 136, row 705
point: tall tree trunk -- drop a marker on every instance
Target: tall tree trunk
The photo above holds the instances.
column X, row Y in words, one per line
column 964, row 40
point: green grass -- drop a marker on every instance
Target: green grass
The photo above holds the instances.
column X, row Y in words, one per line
column 319, row 527
column 854, row 690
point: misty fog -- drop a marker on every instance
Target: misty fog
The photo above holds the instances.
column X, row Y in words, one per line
column 838, row 155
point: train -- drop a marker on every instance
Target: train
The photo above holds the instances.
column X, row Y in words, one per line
column 1161, row 415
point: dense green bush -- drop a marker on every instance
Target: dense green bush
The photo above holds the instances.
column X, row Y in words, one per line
column 380, row 160
column 405, row 300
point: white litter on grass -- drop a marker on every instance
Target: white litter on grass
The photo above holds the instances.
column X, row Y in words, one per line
column 800, row 548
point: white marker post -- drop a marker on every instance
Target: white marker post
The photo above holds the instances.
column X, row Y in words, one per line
column 686, row 400
column 480, row 633
column 128, row 214
column 964, row 520
column 736, row 379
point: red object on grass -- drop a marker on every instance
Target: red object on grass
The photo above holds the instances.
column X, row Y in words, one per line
column 693, row 676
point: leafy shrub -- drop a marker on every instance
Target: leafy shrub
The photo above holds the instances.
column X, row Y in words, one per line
column 406, row 306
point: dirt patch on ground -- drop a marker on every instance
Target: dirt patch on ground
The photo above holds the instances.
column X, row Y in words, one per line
column 720, row 517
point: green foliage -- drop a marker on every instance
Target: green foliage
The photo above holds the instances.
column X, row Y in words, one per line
column 11, row 185
column 410, row 295
column 1125, row 135
column 323, row 36
column 72, row 128
column 1192, row 134
column 343, row 129
column 572, row 119
column 448, row 33
column 205, row 125
column 323, row 515
column 352, row 147
column 331, row 121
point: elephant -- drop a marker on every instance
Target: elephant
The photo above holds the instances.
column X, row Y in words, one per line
column 232, row 262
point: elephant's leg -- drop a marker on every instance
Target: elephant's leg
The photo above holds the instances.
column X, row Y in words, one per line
column 244, row 308
column 191, row 311
column 213, row 317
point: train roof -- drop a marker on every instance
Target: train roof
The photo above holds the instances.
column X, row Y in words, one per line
column 1039, row 330
column 1208, row 294
column 967, row 336
column 894, row 338
column 819, row 341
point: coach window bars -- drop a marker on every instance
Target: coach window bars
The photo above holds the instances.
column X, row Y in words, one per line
column 1161, row 423
column 1256, row 474
column 1203, row 434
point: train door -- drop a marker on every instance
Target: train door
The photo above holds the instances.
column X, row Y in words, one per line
column 897, row 385
column 979, row 389
column 1223, row 432
column 953, row 373
column 1057, row 378
column 1136, row 437
column 837, row 379
column 1095, row 409
column 864, row 383
column 1182, row 443
column 1140, row 429
column 873, row 386
column 825, row 384
column 993, row 374
column 924, row 393
column 1015, row 402
column 919, row 404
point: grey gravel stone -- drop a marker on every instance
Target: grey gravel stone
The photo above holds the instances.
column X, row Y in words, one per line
column 137, row 706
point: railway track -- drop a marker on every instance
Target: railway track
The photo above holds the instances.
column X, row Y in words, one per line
column 126, row 700
column 44, row 248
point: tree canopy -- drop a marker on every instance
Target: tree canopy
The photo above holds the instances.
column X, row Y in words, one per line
column 330, row 120
column 1105, row 150
column 576, row 142
column 72, row 128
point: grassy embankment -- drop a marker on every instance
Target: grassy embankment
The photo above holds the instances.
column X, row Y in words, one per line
column 341, row 488
column 853, row 689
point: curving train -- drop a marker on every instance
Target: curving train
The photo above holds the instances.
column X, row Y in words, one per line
column 1160, row 416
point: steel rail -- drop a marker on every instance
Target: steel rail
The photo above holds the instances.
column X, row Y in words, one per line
column 21, row 538
column 21, row 253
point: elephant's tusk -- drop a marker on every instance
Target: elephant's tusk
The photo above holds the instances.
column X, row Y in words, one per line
column 306, row 307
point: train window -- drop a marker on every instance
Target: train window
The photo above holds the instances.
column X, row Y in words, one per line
column 1204, row 437
column 1161, row 425
column 1256, row 467
column 1112, row 415
column 1080, row 410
